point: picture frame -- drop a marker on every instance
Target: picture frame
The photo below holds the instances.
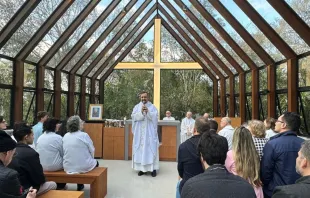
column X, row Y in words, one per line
column 95, row 112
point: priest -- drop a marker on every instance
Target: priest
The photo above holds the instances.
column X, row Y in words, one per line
column 187, row 127
column 145, row 154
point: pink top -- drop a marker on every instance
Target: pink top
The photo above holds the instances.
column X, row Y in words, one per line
column 230, row 165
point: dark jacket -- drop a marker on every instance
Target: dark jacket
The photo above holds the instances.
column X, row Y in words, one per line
column 27, row 164
column 279, row 161
column 299, row 190
column 217, row 182
column 189, row 164
column 9, row 183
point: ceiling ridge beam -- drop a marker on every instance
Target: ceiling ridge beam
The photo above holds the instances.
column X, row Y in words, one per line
column 118, row 36
column 267, row 30
column 88, row 34
column 224, row 34
column 190, row 41
column 292, row 18
column 245, row 35
column 125, row 53
column 43, row 30
column 17, row 20
column 209, row 36
column 198, row 38
column 68, row 32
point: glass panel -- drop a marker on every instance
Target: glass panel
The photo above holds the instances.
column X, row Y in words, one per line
column 263, row 107
column 237, row 84
column 280, row 26
column 64, row 107
column 144, row 50
column 6, row 68
column 64, row 81
column 248, row 84
column 49, row 103
column 248, row 115
column 49, row 79
column 87, row 102
column 77, row 84
column 7, row 9
column 237, row 106
column 281, row 76
column 29, row 104
column 301, row 8
column 281, row 104
column 57, row 30
column 29, row 75
column 227, row 105
column 78, row 33
column 304, row 71
column 29, row 27
column 263, row 79
column 5, row 104
column 227, row 86
column 252, row 29
column 305, row 114
column 97, row 87
column 77, row 104
column 88, row 85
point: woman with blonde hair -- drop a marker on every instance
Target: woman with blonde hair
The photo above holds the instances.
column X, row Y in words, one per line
column 258, row 131
column 243, row 159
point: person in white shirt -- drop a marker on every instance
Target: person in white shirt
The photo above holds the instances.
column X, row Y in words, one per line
column 168, row 116
column 206, row 115
column 227, row 131
column 270, row 124
column 187, row 127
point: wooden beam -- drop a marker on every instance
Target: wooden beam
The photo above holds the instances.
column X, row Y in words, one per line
column 18, row 90
column 83, row 115
column 242, row 97
column 68, row 32
column 17, row 20
column 157, row 41
column 215, row 98
column 43, row 30
column 255, row 94
column 232, row 96
column 292, row 84
column 271, row 97
column 209, row 36
column 181, row 65
column 92, row 90
column 223, row 97
column 290, row 16
column 57, row 94
column 268, row 31
column 197, row 37
column 245, row 35
column 71, row 95
column 39, row 88
column 224, row 34
column 88, row 34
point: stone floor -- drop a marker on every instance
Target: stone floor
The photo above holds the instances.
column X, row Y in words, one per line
column 124, row 182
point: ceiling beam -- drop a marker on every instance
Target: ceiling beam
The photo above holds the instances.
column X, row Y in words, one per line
column 245, row 35
column 43, row 30
column 68, row 32
column 17, row 20
column 268, row 31
column 88, row 34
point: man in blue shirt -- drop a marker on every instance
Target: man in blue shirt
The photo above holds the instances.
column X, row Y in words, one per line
column 38, row 128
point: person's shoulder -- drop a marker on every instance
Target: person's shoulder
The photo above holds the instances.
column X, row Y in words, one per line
column 287, row 190
column 9, row 173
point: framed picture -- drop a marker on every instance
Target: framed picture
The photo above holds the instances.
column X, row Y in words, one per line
column 95, row 112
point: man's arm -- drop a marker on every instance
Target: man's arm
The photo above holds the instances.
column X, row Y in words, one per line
column 187, row 191
column 89, row 144
column 180, row 164
column 12, row 185
column 35, row 170
column 136, row 114
column 283, row 192
column 267, row 164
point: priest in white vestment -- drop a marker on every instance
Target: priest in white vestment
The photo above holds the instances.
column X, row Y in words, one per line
column 145, row 153
column 168, row 116
column 187, row 127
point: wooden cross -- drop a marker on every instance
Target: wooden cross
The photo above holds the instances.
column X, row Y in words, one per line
column 157, row 65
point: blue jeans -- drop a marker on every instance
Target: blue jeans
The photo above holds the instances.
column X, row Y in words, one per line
column 178, row 195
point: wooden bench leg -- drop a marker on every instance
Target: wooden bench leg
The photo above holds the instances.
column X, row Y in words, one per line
column 98, row 189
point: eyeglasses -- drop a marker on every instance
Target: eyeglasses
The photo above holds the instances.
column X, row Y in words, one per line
column 280, row 121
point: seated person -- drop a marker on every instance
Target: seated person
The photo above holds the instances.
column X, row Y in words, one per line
column 78, row 149
column 213, row 126
column 9, row 183
column 216, row 181
column 27, row 162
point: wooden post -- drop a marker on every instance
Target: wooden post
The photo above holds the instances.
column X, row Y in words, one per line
column 57, row 94
column 242, row 97
column 231, row 96
column 83, row 115
column 18, row 90
column 39, row 88
column 215, row 98
column 255, row 94
column 271, row 97
column 292, row 84
column 92, row 90
column 71, row 94
column 223, row 97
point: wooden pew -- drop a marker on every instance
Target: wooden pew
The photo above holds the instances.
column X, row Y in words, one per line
column 62, row 194
column 97, row 179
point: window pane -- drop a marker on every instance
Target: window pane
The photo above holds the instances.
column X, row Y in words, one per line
column 29, row 75
column 7, row 9
column 97, row 87
column 248, row 115
column 5, row 104
column 304, row 71
column 77, row 84
column 77, row 104
column 263, row 79
column 281, row 76
column 227, row 86
column 29, row 103
column 227, row 105
column 49, row 103
column 237, row 84
column 263, row 107
column 301, row 7
column 305, row 114
column 88, row 85
column 87, row 102
column 64, row 81
column 248, row 79
column 6, row 67
column 49, row 79
column 64, row 107
column 237, row 106
column 281, row 104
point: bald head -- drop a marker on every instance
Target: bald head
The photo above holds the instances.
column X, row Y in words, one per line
column 225, row 122
column 206, row 115
column 189, row 114
column 168, row 114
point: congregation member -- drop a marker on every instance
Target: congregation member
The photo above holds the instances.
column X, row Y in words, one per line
column 213, row 126
column 168, row 116
column 216, row 181
column 189, row 164
column 227, row 131
column 187, row 127
column 2, row 123
column 61, row 128
column 78, row 148
column 270, row 124
column 38, row 128
column 301, row 189
column 206, row 115
column 258, row 131
column 279, row 154
column 145, row 152
column 10, row 186
column 243, row 159
column 27, row 162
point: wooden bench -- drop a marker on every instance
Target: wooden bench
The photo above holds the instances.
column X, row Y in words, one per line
column 62, row 194
column 97, row 179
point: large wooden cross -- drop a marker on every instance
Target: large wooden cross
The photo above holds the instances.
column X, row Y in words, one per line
column 157, row 65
